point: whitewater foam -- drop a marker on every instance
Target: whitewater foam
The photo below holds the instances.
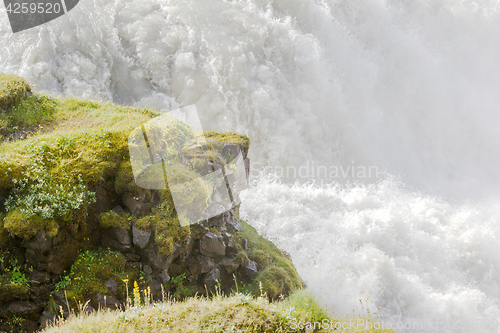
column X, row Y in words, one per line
column 410, row 87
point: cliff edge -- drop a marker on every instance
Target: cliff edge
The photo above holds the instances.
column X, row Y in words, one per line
column 75, row 227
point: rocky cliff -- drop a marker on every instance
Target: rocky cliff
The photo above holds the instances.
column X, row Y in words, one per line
column 75, row 229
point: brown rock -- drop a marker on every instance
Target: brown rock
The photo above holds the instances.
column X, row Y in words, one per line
column 212, row 245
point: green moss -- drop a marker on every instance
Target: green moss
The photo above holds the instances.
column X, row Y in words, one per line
column 276, row 281
column 192, row 193
column 4, row 234
column 111, row 219
column 167, row 134
column 20, row 224
column 89, row 272
column 12, row 89
column 13, row 281
column 165, row 223
column 277, row 274
column 14, row 289
column 228, row 137
column 12, row 165
column 55, row 184
column 304, row 307
column 30, row 111
column 124, row 179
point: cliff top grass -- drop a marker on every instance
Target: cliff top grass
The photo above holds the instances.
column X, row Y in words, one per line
column 72, row 116
column 227, row 137
column 12, row 89
column 234, row 313
column 68, row 145
column 277, row 275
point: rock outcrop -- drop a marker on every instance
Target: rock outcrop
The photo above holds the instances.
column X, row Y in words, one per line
column 75, row 227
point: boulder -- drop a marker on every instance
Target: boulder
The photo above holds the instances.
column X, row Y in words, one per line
column 40, row 243
column 112, row 285
column 212, row 245
column 23, row 309
column 206, row 264
column 140, row 237
column 147, row 269
column 121, row 235
column 212, row 277
column 216, row 221
column 231, row 151
column 132, row 257
column 233, row 224
column 153, row 258
column 107, row 301
column 229, row 264
column 136, row 205
column 250, row 269
column 46, row 318
column 164, row 277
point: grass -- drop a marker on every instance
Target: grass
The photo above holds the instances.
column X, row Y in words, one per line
column 84, row 142
column 228, row 137
column 277, row 275
column 88, row 273
column 235, row 313
column 12, row 89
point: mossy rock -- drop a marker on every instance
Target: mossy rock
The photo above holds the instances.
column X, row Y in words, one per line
column 56, row 184
column 12, row 90
column 4, row 234
column 89, row 273
column 166, row 226
column 20, row 224
column 227, row 137
column 276, row 281
column 12, row 289
column 113, row 220
column 277, row 274
column 11, row 167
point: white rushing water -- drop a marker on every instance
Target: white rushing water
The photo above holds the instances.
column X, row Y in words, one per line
column 408, row 88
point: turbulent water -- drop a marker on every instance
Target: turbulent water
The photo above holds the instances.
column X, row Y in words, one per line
column 373, row 123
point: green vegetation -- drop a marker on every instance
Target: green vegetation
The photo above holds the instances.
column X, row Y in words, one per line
column 166, row 226
column 27, row 114
column 112, row 219
column 50, row 182
column 229, row 137
column 181, row 289
column 90, row 271
column 277, row 275
column 12, row 89
column 54, row 185
column 13, row 281
column 49, row 177
column 235, row 313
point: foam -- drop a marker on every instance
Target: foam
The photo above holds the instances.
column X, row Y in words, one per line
column 408, row 87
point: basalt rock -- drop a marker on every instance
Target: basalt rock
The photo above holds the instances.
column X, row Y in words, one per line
column 212, row 245
column 140, row 237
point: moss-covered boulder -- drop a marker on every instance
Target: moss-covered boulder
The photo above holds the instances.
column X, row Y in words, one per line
column 12, row 90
